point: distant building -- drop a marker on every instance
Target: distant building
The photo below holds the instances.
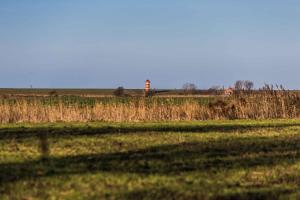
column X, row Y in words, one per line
column 228, row 91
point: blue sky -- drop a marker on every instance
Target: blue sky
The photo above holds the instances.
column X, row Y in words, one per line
column 105, row 44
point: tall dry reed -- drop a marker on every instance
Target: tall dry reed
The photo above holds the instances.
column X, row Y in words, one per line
column 265, row 104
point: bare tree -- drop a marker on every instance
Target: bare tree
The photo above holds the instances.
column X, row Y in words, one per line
column 238, row 85
column 248, row 85
column 189, row 88
column 243, row 85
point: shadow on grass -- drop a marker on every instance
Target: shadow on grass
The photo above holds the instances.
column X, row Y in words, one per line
column 22, row 133
column 166, row 193
column 165, row 159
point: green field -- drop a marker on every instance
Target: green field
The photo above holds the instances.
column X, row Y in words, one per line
column 91, row 101
column 90, row 97
column 186, row 160
column 56, row 91
column 94, row 92
column 108, row 92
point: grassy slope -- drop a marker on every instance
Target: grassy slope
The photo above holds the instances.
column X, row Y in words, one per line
column 192, row 160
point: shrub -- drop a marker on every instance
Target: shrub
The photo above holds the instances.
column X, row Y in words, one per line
column 119, row 92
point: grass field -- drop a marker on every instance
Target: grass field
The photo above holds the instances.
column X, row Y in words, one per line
column 185, row 160
column 92, row 101
column 85, row 92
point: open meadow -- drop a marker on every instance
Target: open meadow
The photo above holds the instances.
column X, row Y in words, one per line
column 242, row 159
column 243, row 146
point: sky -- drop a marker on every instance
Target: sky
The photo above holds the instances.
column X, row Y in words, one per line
column 111, row 43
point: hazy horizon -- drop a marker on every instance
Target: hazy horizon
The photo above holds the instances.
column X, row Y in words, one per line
column 106, row 44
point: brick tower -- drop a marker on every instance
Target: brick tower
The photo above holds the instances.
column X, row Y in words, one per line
column 147, row 88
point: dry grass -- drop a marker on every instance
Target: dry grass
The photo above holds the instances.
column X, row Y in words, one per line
column 266, row 104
